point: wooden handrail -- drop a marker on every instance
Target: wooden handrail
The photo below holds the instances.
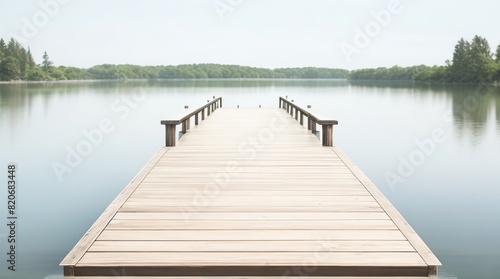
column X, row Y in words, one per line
column 186, row 120
column 326, row 124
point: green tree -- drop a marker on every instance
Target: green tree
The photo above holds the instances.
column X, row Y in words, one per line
column 46, row 64
column 460, row 61
column 36, row 74
column 57, row 74
column 3, row 48
column 482, row 66
column 31, row 61
column 9, row 69
column 497, row 55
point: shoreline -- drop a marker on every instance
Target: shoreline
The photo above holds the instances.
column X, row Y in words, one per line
column 51, row 81
column 21, row 82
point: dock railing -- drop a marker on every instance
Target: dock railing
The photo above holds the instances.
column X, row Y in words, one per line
column 170, row 125
column 312, row 120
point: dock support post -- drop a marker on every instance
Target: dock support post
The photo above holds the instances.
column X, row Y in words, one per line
column 196, row 119
column 203, row 114
column 170, row 135
column 301, row 119
column 313, row 127
column 327, row 134
column 185, row 126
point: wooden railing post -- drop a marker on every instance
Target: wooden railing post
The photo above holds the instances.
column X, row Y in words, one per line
column 327, row 134
column 170, row 134
column 170, row 125
column 312, row 121
column 185, row 126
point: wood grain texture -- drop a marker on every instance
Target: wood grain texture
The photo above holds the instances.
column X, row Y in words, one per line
column 249, row 192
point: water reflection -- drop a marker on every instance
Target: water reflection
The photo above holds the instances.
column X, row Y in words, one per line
column 473, row 108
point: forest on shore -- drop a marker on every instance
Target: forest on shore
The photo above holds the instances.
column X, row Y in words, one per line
column 473, row 62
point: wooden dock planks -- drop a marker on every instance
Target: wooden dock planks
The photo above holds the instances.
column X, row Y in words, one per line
column 249, row 192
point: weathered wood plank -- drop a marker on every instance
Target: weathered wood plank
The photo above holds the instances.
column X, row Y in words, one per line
column 254, row 216
column 249, row 259
column 218, row 235
column 194, row 207
column 252, row 246
column 262, row 199
column 252, row 225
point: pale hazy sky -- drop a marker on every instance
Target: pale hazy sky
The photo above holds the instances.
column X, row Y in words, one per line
column 260, row 33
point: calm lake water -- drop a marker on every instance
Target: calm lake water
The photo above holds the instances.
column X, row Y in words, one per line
column 449, row 191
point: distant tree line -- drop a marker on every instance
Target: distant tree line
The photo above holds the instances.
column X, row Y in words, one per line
column 17, row 63
column 472, row 62
column 208, row 71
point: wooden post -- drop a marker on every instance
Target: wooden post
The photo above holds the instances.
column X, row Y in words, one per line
column 301, row 119
column 208, row 111
column 313, row 126
column 203, row 114
column 327, row 134
column 220, row 102
column 185, row 126
column 309, row 122
column 196, row 119
column 170, row 134
column 296, row 114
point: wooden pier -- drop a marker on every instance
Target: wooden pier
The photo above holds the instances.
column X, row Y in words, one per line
column 246, row 193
